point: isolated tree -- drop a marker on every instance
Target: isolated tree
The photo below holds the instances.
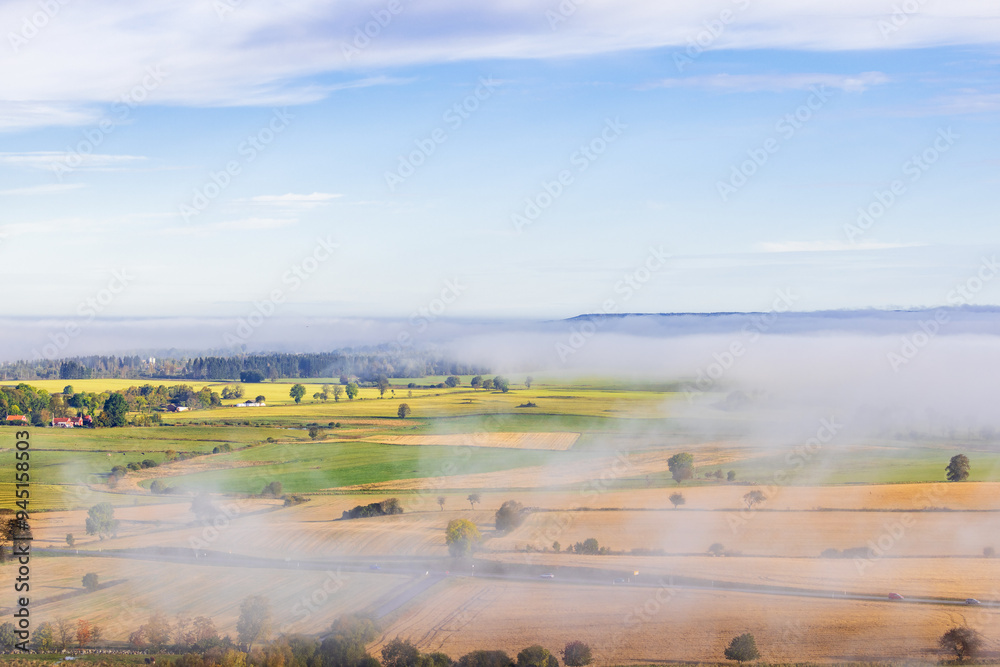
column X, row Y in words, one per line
column 509, row 516
column 536, row 656
column 731, row 475
column 677, row 499
column 8, row 636
column 717, row 549
column 958, row 468
column 83, row 632
column 255, row 620
column 101, row 520
column 90, row 581
column 681, row 466
column 742, row 648
column 315, row 432
column 754, row 498
column 338, row 391
column 70, row 540
column 462, row 536
column 576, row 654
column 473, row 499
column 476, row 382
column 963, row 642
column 382, row 383
column 352, row 390
column 453, row 381
column 400, row 653
column 527, row 385
column 441, row 501
column 501, row 383
column 297, row 392
column 989, row 552
column 115, row 409
column 260, row 399
column 403, row 410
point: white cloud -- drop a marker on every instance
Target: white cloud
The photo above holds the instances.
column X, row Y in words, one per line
column 298, row 51
column 775, row 83
column 41, row 189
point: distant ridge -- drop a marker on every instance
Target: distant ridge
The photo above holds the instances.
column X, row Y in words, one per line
column 944, row 320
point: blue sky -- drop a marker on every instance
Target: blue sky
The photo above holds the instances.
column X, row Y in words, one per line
column 491, row 107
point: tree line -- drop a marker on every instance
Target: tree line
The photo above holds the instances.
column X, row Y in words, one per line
column 367, row 364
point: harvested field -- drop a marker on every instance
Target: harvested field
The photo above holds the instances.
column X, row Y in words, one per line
column 912, row 577
column 198, row 590
column 558, row 442
column 794, row 533
column 642, row 625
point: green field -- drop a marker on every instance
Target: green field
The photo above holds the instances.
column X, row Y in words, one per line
column 609, row 416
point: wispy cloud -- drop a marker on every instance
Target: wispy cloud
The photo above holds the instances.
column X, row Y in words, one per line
column 828, row 246
column 291, row 53
column 241, row 225
column 55, row 160
column 774, row 83
column 292, row 198
column 41, row 189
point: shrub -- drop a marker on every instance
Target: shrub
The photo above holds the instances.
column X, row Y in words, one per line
column 963, row 642
column 576, row 654
column 485, row 659
column 386, row 507
column 536, row 656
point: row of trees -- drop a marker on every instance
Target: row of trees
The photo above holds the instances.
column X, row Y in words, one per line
column 58, row 635
column 366, row 364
